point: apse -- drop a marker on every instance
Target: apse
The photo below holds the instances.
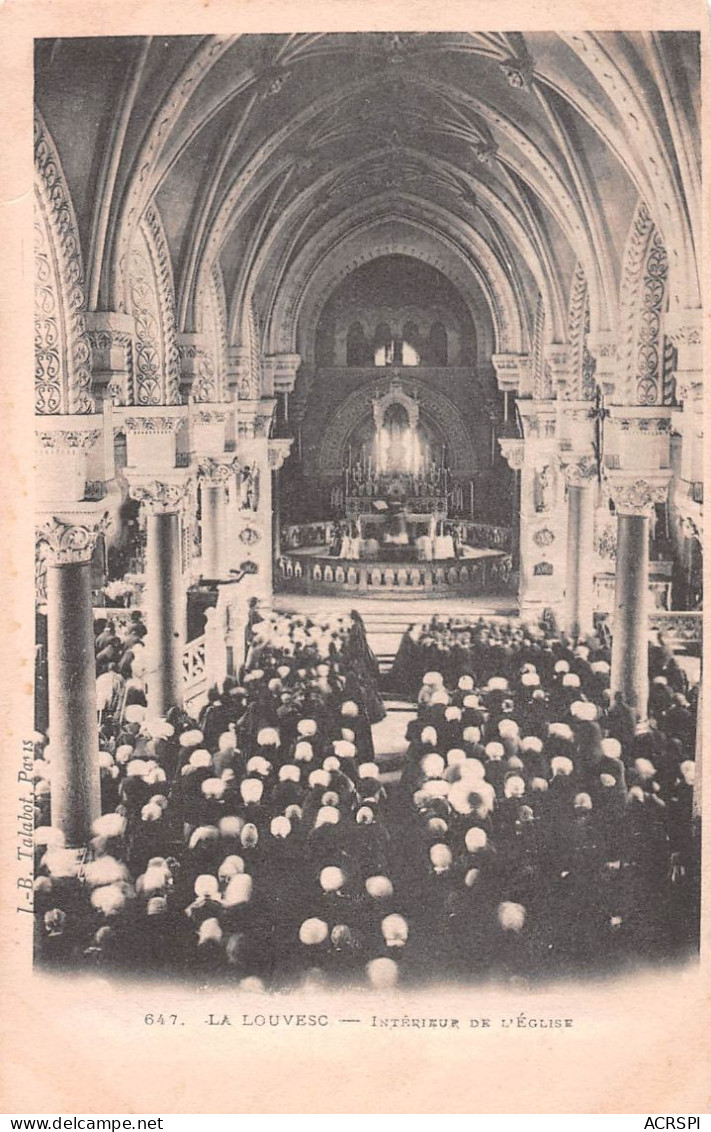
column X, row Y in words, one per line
column 395, row 311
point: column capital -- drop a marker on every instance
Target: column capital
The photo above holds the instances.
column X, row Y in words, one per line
column 279, row 449
column 70, row 540
column 538, row 418
column 637, row 495
column 513, row 451
column 254, row 418
column 242, row 378
column 578, row 469
column 159, row 496
column 509, row 369
column 217, row 472
column 280, row 371
column 111, row 336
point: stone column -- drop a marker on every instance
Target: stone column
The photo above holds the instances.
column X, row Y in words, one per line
column 279, row 449
column 163, row 594
column 630, row 628
column 214, row 479
column 75, row 791
column 580, row 566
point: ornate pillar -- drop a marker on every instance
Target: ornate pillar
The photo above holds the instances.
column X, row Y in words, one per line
column 164, row 598
column 66, row 545
column 634, row 500
column 214, row 476
column 251, row 509
column 279, row 450
column 580, row 565
column 542, row 531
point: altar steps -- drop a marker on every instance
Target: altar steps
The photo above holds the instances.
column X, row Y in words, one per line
column 385, row 623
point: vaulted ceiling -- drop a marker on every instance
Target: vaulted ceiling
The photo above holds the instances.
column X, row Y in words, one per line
column 285, row 158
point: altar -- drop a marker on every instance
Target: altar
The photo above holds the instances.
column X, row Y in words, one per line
column 392, row 529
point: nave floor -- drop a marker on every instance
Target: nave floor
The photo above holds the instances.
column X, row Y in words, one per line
column 385, row 623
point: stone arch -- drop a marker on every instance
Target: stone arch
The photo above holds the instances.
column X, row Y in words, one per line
column 359, row 407
column 211, row 382
column 62, row 351
column 581, row 382
column 306, row 286
column 643, row 305
column 156, row 378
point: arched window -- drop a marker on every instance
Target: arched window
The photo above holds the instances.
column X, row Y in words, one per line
column 438, row 344
column 384, row 345
column 411, row 344
column 357, row 351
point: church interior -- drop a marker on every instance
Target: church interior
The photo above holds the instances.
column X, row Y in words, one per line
column 369, row 505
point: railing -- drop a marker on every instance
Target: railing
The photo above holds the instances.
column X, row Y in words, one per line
column 484, row 535
column 307, row 574
column 183, row 459
column 307, row 534
column 696, row 492
column 683, row 628
column 194, row 669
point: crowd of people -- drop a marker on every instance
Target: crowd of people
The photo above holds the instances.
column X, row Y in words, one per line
column 533, row 830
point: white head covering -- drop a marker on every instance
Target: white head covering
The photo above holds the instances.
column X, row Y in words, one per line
column 379, row 887
column 331, row 879
column 313, row 931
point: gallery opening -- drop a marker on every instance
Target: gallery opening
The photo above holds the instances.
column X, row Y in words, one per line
column 369, row 506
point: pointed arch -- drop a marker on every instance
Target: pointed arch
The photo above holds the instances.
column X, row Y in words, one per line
column 152, row 306
column 643, row 304
column 62, row 350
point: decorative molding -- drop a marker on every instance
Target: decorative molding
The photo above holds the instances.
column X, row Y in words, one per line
column 638, row 496
column 606, row 542
column 150, row 286
column 216, row 473
column 211, row 416
column 513, row 452
column 649, row 336
column 158, row 496
column 518, row 71
column 62, row 350
column 154, row 424
column 578, row 471
column 278, row 451
column 67, row 440
column 60, row 543
column 249, row 536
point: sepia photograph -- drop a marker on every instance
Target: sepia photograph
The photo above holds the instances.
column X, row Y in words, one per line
column 367, row 499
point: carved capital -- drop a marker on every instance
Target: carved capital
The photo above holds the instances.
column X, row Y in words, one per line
column 158, row 496
column 578, row 470
column 216, row 473
column 278, row 451
column 509, row 369
column 280, row 371
column 62, row 543
column 637, row 496
column 254, row 419
column 513, row 452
